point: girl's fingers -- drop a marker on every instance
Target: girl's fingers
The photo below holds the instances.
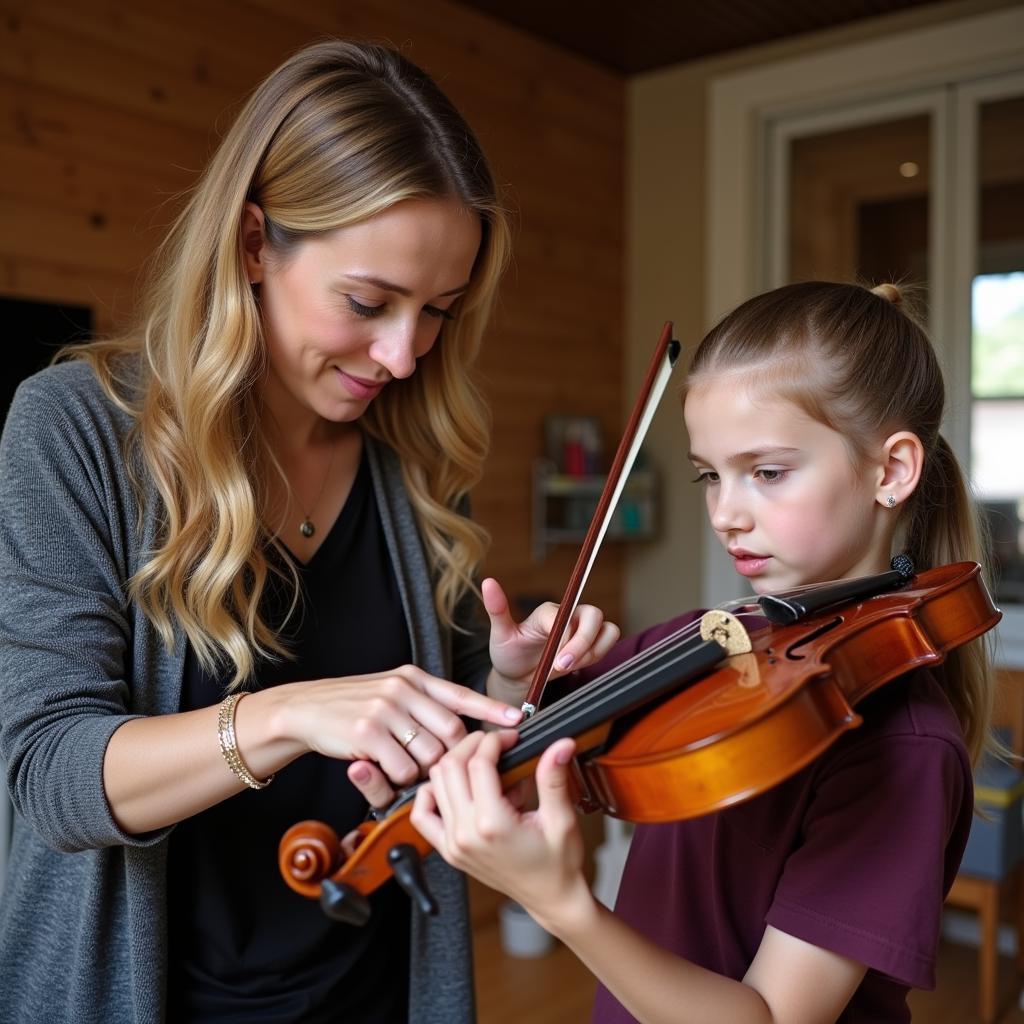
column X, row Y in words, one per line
column 451, row 782
column 587, row 625
column 588, row 639
column 555, row 803
column 464, row 794
column 520, row 794
column 350, row 842
column 426, row 819
column 503, row 626
column 484, row 781
column 607, row 638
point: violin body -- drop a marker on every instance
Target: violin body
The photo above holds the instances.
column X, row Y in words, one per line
column 724, row 734
column 762, row 716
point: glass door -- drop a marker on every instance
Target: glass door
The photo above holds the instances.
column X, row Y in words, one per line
column 856, row 193
column 989, row 285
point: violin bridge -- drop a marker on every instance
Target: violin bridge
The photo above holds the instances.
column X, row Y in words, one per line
column 726, row 630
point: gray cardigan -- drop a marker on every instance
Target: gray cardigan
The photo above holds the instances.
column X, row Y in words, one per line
column 83, row 911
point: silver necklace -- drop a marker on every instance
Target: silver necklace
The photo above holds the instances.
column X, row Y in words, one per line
column 306, row 527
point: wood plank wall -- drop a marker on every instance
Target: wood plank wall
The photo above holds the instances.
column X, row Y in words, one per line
column 108, row 109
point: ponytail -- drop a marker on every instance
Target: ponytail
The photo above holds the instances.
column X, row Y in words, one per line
column 942, row 526
column 941, row 520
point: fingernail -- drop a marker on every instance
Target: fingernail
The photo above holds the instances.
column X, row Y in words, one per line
column 563, row 757
column 512, row 714
column 360, row 773
column 565, row 661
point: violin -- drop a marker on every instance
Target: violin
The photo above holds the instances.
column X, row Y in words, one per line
column 713, row 715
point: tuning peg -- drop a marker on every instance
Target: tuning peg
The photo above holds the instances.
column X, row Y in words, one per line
column 343, row 903
column 407, row 869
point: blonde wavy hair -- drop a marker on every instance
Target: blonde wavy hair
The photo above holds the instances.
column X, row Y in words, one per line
column 338, row 133
column 853, row 359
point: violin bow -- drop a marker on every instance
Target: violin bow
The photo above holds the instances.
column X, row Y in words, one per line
column 658, row 372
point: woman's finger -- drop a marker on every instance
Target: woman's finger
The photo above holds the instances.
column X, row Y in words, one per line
column 468, row 703
column 371, row 783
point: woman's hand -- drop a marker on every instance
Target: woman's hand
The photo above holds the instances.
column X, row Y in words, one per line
column 515, row 650
column 403, row 720
column 161, row 769
column 516, row 647
column 535, row 857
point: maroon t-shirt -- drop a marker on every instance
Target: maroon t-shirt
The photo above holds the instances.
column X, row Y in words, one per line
column 854, row 854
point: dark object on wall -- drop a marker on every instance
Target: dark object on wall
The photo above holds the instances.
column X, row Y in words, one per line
column 34, row 332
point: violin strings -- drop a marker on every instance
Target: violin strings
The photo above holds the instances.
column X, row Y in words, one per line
column 672, row 639
column 611, row 679
column 601, row 688
column 596, row 690
column 742, row 607
column 648, row 670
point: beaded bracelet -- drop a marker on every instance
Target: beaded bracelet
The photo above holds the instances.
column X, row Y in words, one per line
column 228, row 747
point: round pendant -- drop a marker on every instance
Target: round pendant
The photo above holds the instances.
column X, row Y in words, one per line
column 306, row 528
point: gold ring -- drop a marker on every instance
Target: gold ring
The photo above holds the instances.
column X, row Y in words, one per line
column 409, row 737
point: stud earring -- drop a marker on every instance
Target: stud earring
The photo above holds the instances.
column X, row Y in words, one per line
column 890, row 502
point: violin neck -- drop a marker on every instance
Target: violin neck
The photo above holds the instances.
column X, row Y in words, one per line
column 667, row 670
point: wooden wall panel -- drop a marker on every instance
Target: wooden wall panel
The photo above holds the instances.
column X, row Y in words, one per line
column 109, row 109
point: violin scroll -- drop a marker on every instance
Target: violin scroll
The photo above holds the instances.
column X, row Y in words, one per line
column 308, row 853
column 313, row 863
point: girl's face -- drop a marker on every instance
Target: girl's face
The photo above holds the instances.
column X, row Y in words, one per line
column 351, row 310
column 783, row 495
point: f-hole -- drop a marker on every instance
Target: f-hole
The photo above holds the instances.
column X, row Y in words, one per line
column 825, row 627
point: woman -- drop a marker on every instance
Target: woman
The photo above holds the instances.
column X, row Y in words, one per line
column 237, row 536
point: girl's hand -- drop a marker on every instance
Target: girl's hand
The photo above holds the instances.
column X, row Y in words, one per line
column 403, row 720
column 535, row 857
column 516, row 647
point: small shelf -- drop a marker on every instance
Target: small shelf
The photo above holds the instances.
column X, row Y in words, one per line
column 564, row 505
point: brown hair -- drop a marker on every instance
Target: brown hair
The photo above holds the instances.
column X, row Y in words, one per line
column 853, row 359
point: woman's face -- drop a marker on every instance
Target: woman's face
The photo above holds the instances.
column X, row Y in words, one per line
column 783, row 494
column 351, row 310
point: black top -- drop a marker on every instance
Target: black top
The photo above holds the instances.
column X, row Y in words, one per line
column 243, row 946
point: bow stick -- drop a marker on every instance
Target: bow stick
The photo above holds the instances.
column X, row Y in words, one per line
column 662, row 362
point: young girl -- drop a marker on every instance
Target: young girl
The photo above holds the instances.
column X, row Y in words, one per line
column 813, row 413
column 235, row 558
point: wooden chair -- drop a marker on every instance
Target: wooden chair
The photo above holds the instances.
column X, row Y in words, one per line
column 987, row 896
